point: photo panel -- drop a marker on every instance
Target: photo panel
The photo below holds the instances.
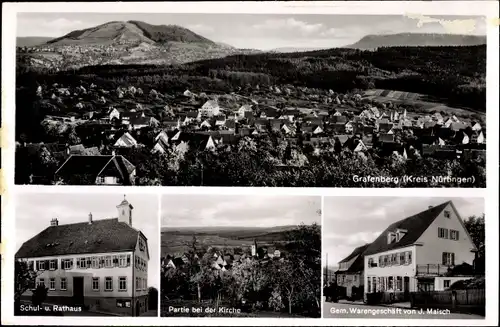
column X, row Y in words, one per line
column 239, row 99
column 86, row 254
column 404, row 257
column 240, row 256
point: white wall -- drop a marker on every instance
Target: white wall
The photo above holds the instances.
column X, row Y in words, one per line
column 394, row 270
column 88, row 274
column 433, row 247
column 439, row 282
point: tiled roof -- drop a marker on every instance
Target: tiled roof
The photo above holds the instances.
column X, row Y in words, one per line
column 415, row 225
column 93, row 165
column 107, row 235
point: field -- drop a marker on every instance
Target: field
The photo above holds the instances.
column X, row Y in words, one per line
column 177, row 241
column 420, row 102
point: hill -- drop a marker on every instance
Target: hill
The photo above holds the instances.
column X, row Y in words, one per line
column 129, row 32
column 124, row 43
column 31, row 41
column 370, row 42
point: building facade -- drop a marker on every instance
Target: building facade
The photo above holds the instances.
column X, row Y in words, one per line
column 425, row 252
column 349, row 277
column 100, row 265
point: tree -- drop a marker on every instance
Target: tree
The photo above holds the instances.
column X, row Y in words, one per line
column 25, row 278
column 475, row 228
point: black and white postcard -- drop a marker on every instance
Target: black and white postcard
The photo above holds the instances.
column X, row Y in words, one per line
column 86, row 255
column 250, row 100
column 240, row 256
column 404, row 257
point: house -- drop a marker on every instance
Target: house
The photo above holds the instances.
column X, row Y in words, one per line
column 350, row 273
column 96, row 169
column 476, row 127
column 419, row 253
column 113, row 113
column 101, row 264
column 143, row 121
column 209, row 109
column 126, row 141
column 243, row 109
column 478, row 138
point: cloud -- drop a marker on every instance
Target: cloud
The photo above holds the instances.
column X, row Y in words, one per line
column 201, row 28
column 289, row 24
column 354, row 240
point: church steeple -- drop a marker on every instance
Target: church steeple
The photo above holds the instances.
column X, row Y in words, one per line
column 125, row 211
column 254, row 248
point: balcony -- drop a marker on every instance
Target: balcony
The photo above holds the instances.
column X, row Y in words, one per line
column 434, row 270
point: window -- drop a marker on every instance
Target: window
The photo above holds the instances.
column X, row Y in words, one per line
column 394, row 257
column 370, row 263
column 89, row 262
column 53, row 264
column 102, row 262
column 100, row 180
column 399, row 283
column 122, row 284
column 95, row 262
column 442, row 232
column 391, row 238
column 448, row 259
column 390, row 282
column 41, row 282
column 123, row 261
column 41, row 265
column 81, row 263
column 402, row 258
column 109, row 262
column 446, row 283
column 137, row 285
column 52, row 284
column 380, row 261
column 369, row 284
column 128, row 260
column 110, row 180
column 447, row 214
column 67, row 263
column 63, row 284
column 374, row 284
column 95, row 284
column 454, row 235
column 409, row 257
column 115, row 261
column 108, row 284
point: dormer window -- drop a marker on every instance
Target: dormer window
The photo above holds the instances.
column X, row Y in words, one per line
column 391, row 238
column 447, row 214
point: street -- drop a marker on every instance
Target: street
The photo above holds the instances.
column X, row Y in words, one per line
column 345, row 309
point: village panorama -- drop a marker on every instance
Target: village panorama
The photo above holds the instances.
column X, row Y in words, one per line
column 130, row 103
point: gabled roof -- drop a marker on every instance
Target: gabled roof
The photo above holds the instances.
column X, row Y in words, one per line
column 102, row 236
column 357, row 251
column 94, row 165
column 416, row 225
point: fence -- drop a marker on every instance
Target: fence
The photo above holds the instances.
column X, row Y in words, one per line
column 469, row 300
column 385, row 297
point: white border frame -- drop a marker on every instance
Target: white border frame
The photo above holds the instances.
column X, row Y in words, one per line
column 458, row 8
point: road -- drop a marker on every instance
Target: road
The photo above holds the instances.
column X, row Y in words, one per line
column 355, row 310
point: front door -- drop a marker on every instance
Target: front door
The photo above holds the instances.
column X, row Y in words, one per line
column 78, row 290
column 406, row 287
column 137, row 309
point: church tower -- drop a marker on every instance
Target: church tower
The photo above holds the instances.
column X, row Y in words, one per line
column 125, row 212
column 254, row 248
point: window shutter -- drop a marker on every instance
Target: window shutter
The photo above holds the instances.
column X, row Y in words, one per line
column 78, row 263
column 128, row 260
column 444, row 258
column 453, row 259
column 47, row 264
column 37, row 265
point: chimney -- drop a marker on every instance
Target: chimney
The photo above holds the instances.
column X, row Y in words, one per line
column 54, row 222
column 90, row 218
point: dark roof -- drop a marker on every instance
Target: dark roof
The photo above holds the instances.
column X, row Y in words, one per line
column 94, row 165
column 357, row 251
column 415, row 225
column 107, row 235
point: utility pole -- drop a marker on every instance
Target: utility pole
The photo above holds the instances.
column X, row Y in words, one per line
column 202, row 168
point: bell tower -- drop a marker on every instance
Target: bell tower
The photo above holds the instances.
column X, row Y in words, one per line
column 125, row 211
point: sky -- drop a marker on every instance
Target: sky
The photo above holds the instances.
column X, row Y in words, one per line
column 35, row 211
column 238, row 210
column 350, row 222
column 261, row 31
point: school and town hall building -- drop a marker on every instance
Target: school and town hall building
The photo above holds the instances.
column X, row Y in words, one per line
column 101, row 265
